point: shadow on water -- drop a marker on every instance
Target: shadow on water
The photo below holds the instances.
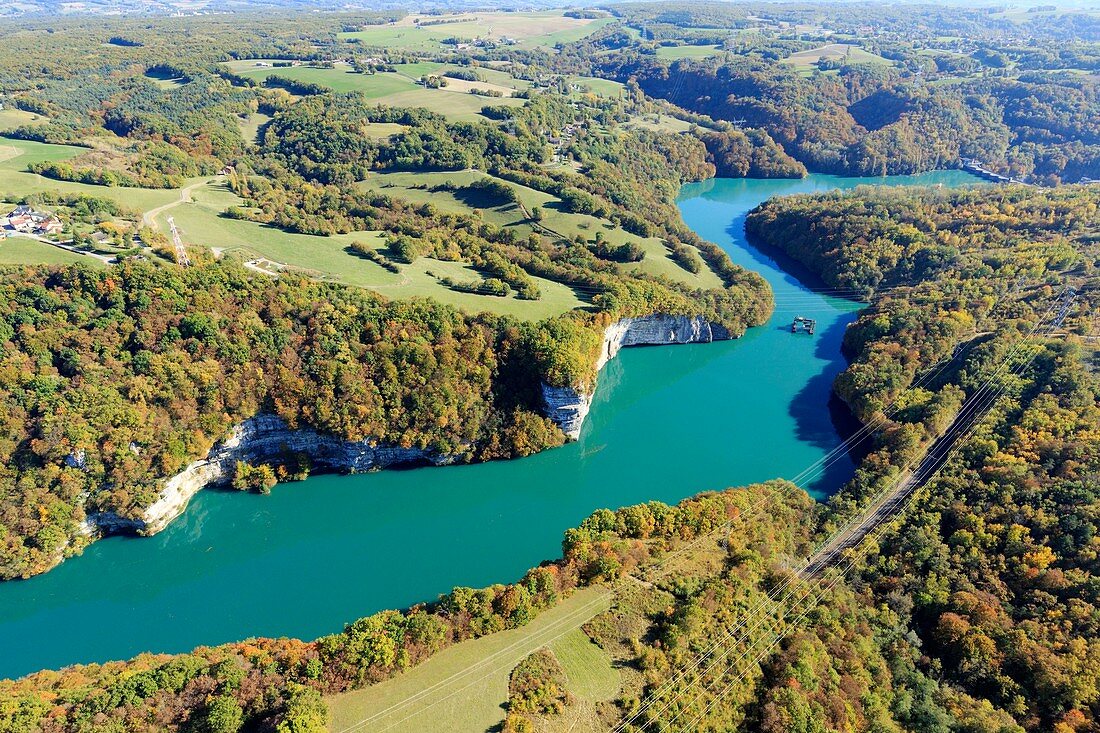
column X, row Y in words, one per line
column 806, row 410
column 769, row 258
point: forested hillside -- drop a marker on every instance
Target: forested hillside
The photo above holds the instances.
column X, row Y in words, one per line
column 927, row 88
column 973, row 611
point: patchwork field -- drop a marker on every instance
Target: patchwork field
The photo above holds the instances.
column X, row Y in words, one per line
column 463, row 688
column 833, row 52
column 526, row 30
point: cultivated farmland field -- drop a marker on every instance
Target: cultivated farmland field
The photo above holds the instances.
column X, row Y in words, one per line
column 527, row 30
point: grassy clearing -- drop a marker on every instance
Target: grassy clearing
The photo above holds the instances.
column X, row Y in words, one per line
column 658, row 123
column 26, row 251
column 167, row 82
column 250, row 125
column 462, row 688
column 340, row 78
column 399, row 89
column 805, row 60
column 528, row 30
column 456, row 106
column 687, row 52
column 11, row 118
column 417, row 188
column 383, row 130
column 588, row 667
column 330, row 258
column 600, row 87
column 16, row 182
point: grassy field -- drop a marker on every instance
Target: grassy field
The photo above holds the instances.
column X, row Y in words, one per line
column 599, row 87
column 250, row 125
column 341, row 78
column 529, row 30
column 16, row 181
column 383, row 130
column 26, row 251
column 399, row 89
column 687, row 52
column 658, row 123
column 166, row 82
column 588, row 667
column 329, row 258
column 417, row 187
column 806, row 60
column 11, row 118
column 463, row 688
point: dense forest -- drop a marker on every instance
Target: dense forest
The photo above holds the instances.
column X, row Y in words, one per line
column 115, row 380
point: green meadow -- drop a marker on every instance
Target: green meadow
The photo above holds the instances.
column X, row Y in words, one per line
column 419, row 188
column 26, row 251
column 464, row 687
column 201, row 223
column 687, row 52
column 399, row 88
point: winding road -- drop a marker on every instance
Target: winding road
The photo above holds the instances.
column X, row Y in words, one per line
column 150, row 216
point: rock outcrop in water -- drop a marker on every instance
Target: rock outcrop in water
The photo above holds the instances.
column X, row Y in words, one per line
column 569, row 406
column 263, row 438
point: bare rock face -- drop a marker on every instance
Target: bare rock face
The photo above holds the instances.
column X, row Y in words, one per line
column 263, row 438
column 569, row 406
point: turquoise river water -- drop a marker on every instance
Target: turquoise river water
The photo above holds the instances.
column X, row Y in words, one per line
column 666, row 423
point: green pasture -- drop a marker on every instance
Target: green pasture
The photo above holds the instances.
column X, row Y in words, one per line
column 200, row 223
column 418, row 188
column 26, row 251
column 687, row 52
column 462, row 689
column 16, row 181
column 399, row 89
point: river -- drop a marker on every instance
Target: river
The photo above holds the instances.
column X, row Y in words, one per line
column 666, row 423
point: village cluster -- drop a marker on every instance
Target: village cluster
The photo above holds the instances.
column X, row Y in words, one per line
column 27, row 220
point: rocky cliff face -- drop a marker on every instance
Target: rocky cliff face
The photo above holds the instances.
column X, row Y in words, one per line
column 266, row 438
column 263, row 438
column 568, row 406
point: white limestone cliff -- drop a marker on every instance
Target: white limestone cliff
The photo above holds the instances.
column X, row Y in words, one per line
column 261, row 438
column 569, row 406
column 267, row 437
